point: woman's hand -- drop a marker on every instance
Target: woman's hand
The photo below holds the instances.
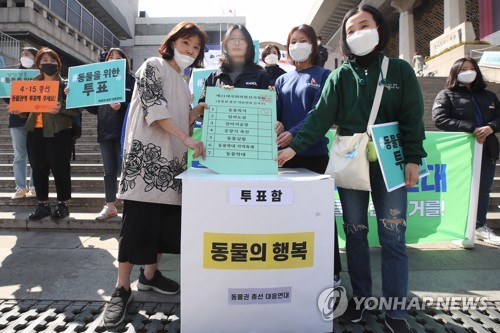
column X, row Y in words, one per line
column 199, row 109
column 56, row 109
column 482, row 132
column 411, row 174
column 115, row 106
column 284, row 156
column 66, row 91
column 279, row 127
column 16, row 112
column 284, row 139
column 227, row 86
column 197, row 146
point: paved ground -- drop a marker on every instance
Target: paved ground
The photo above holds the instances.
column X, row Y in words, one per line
column 59, row 282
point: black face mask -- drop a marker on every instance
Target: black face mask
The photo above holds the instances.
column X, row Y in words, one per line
column 49, row 69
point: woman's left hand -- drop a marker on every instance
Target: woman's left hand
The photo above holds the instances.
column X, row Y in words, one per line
column 115, row 106
column 56, row 109
column 482, row 132
column 279, row 127
column 411, row 174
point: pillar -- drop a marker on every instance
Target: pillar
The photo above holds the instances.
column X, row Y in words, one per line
column 406, row 27
column 454, row 13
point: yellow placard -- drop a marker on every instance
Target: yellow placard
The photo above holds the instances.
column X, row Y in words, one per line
column 258, row 251
column 34, row 96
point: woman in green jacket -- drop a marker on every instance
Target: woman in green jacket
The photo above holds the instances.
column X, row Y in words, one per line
column 49, row 142
column 346, row 101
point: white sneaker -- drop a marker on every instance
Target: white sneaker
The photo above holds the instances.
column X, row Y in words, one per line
column 106, row 213
column 20, row 193
column 31, row 193
column 487, row 235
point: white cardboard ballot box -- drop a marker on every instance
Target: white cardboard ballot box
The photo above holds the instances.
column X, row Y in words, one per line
column 257, row 252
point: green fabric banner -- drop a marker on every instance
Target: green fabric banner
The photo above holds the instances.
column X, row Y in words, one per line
column 438, row 205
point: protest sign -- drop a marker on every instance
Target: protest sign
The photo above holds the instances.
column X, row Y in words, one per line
column 34, row 96
column 96, row 84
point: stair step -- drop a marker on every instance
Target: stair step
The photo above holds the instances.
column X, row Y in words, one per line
column 76, row 221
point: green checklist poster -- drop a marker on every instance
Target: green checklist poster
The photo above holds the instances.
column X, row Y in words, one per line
column 238, row 131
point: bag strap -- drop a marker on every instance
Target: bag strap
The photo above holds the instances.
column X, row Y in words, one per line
column 378, row 93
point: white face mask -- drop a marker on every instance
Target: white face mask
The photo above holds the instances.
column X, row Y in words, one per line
column 466, row 77
column 300, row 51
column 183, row 60
column 271, row 59
column 363, row 42
column 27, row 62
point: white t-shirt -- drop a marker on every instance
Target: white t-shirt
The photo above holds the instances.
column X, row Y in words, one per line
column 152, row 158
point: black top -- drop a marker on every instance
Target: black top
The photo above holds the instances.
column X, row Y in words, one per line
column 455, row 111
column 110, row 121
column 274, row 72
column 252, row 78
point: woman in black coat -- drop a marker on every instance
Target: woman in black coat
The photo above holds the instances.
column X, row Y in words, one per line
column 466, row 106
column 110, row 119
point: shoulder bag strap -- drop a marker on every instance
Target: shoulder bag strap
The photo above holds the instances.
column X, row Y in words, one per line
column 378, row 93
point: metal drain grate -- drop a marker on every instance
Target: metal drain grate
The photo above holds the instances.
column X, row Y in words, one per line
column 144, row 317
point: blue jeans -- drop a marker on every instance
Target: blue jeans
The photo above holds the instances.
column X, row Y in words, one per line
column 112, row 163
column 488, row 165
column 18, row 135
column 390, row 209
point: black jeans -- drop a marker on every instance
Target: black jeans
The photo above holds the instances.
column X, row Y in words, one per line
column 50, row 154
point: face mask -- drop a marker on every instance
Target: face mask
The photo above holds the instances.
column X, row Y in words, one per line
column 183, row 60
column 271, row 59
column 49, row 69
column 363, row 42
column 300, row 51
column 466, row 76
column 27, row 62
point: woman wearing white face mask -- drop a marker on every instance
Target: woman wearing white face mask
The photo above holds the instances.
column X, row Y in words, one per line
column 346, row 101
column 18, row 135
column 466, row 106
column 157, row 136
column 271, row 55
column 297, row 92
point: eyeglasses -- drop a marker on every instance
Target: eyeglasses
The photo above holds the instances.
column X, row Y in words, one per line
column 237, row 40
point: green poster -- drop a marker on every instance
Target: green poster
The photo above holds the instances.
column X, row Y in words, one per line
column 438, row 205
column 239, row 131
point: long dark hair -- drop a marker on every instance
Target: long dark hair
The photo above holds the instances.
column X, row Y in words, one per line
column 383, row 29
column 122, row 54
column 226, row 60
column 311, row 35
column 184, row 30
column 452, row 82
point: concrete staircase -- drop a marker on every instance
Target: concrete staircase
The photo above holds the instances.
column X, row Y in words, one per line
column 430, row 87
column 87, row 185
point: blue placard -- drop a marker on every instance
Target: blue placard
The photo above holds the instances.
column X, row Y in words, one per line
column 9, row 75
column 257, row 51
column 96, row 84
column 389, row 146
column 199, row 76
